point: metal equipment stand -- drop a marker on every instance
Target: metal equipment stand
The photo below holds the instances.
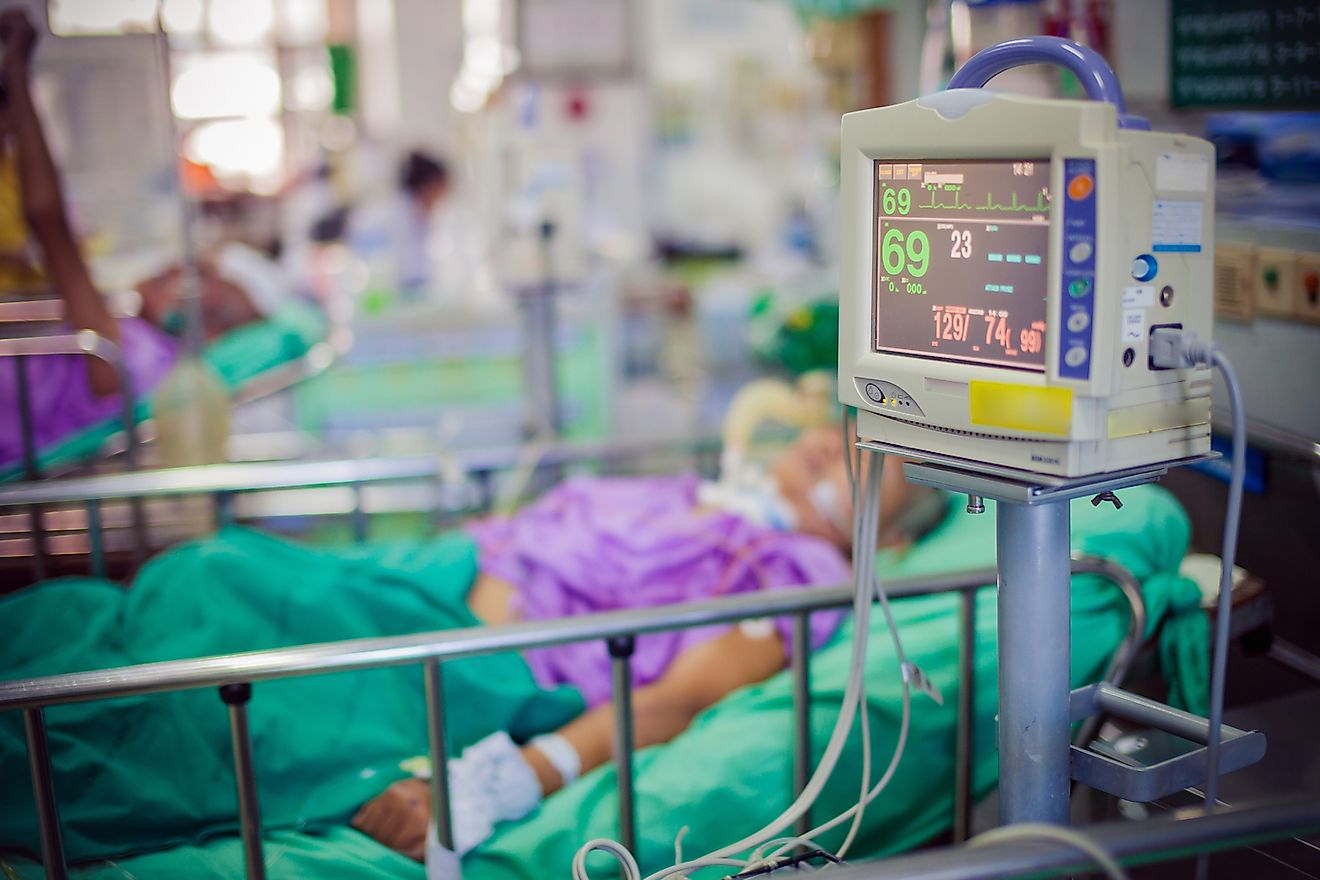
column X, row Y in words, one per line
column 539, row 366
column 1037, row 761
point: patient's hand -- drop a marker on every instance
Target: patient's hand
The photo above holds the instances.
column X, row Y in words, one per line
column 399, row 817
column 491, row 782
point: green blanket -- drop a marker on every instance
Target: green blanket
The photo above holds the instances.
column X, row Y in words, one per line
column 152, row 771
column 238, row 357
column 699, row 780
column 729, row 773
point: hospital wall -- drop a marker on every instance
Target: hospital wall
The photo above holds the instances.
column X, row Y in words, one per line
column 1278, row 359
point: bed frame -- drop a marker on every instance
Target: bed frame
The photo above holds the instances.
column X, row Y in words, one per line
column 79, row 519
column 27, row 324
column 234, row 675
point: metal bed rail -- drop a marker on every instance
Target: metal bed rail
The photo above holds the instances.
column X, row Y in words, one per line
column 1184, row 834
column 42, row 306
column 235, row 675
column 86, row 343
column 224, row 482
column 32, row 318
column 259, row 476
column 83, row 342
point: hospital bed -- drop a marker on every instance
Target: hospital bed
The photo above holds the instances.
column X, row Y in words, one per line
column 231, row 484
column 253, row 362
column 237, row 676
column 88, row 521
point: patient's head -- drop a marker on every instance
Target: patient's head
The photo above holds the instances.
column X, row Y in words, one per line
column 237, row 284
column 813, row 478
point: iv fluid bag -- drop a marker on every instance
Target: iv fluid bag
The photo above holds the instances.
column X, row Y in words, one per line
column 192, row 415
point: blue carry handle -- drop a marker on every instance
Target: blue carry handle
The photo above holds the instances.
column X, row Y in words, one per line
column 1097, row 77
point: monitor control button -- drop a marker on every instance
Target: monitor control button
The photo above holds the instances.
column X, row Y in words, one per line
column 1078, row 321
column 1075, row 357
column 874, row 393
column 1079, row 287
column 1080, row 252
column 1080, row 187
column 1145, row 268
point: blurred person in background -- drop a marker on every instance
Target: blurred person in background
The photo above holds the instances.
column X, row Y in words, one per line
column 18, row 262
column 66, row 393
column 392, row 235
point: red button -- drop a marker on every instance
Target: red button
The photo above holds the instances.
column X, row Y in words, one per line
column 1080, row 187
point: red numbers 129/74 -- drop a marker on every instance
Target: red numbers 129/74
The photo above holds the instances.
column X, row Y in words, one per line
column 952, row 326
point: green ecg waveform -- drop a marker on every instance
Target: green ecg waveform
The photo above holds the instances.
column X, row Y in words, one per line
column 991, row 205
column 1042, row 204
column 957, row 204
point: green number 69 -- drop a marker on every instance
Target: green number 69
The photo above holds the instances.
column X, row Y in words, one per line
column 911, row 255
column 896, row 200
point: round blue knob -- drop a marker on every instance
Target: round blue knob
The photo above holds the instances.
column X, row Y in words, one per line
column 1144, row 267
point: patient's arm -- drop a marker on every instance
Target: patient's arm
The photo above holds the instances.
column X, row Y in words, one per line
column 43, row 202
column 698, row 678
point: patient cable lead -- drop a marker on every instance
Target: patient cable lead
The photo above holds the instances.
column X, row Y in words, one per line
column 866, row 527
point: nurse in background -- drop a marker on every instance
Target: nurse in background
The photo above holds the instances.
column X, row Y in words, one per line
column 19, row 271
column 66, row 393
column 392, row 236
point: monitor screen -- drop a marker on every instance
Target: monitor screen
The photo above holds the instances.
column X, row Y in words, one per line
column 961, row 265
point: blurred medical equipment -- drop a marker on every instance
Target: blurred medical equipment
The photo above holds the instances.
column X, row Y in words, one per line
column 808, row 403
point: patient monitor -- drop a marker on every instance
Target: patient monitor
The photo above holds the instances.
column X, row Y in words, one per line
column 1004, row 261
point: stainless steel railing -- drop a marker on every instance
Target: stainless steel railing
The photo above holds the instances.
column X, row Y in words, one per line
column 1181, row 835
column 224, row 482
column 260, row 476
column 86, row 343
column 235, row 675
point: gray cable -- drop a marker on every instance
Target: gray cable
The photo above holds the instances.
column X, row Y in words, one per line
column 1173, row 349
column 1232, row 517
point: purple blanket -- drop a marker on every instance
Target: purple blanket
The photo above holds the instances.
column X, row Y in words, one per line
column 60, row 393
column 595, row 544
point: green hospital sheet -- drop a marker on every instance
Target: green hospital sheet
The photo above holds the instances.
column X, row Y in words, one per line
column 744, row 741
column 238, row 357
column 150, row 771
column 730, row 772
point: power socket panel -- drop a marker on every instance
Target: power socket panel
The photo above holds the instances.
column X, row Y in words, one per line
column 1306, row 297
column 1276, row 282
column 1235, row 282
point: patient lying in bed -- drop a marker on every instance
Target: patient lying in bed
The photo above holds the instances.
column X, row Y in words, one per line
column 598, row 545
column 154, row 776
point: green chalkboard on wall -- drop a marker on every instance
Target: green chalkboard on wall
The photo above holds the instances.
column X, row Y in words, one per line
column 1245, row 53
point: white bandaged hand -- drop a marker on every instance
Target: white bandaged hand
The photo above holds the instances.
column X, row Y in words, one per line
column 492, row 782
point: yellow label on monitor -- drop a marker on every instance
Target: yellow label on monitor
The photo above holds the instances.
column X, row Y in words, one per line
column 1020, row 407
